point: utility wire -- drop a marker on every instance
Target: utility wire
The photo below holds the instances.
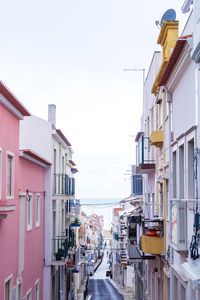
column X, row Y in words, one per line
column 99, row 204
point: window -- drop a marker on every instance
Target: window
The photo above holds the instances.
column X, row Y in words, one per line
column 175, row 287
column 174, row 174
column 166, row 107
column 9, row 175
column 8, row 288
column 167, row 197
column 29, row 212
column 54, row 161
column 160, row 114
column 29, row 295
column 37, row 291
column 183, row 292
column 191, row 169
column 181, row 171
column 63, row 164
column 153, row 205
column 161, row 200
column 19, row 292
column 37, row 210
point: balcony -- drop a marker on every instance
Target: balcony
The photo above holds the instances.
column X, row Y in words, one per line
column 152, row 240
column 60, row 250
column 60, row 184
column 116, row 236
column 156, row 138
column 144, row 161
column 72, row 207
column 178, row 217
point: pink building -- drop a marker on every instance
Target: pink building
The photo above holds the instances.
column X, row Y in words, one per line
column 22, row 196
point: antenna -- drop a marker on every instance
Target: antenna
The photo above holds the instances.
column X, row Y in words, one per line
column 157, row 24
column 169, row 15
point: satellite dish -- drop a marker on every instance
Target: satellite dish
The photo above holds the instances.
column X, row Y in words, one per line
column 169, row 15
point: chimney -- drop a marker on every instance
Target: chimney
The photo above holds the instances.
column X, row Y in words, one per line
column 52, row 114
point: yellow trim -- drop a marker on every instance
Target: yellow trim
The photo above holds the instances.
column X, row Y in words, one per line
column 167, row 39
column 155, row 88
column 163, row 32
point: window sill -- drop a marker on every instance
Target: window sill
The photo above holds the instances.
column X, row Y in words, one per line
column 9, row 197
column 37, row 225
column 29, row 228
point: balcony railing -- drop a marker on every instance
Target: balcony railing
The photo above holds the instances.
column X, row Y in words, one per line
column 60, row 184
column 72, row 207
column 63, row 184
column 60, row 248
column 144, row 159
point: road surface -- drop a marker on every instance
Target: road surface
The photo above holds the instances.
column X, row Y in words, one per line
column 100, row 287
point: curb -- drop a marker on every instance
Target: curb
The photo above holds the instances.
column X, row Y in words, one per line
column 124, row 295
column 115, row 287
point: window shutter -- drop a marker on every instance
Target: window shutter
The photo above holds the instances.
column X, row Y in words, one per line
column 66, row 184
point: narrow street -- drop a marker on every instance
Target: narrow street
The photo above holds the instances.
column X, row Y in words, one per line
column 100, row 287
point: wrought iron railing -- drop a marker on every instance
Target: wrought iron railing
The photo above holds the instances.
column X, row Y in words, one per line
column 60, row 247
column 143, row 151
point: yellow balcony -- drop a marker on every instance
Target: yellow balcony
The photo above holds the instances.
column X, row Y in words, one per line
column 156, row 138
column 152, row 245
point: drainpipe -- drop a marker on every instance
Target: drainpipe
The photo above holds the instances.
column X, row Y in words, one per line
column 196, row 142
column 169, row 101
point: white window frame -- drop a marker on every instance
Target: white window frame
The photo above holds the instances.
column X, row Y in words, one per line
column 19, row 283
column 37, row 210
column 10, row 154
column 0, row 171
column 29, row 293
column 9, row 278
column 37, row 285
column 160, row 114
column 30, row 201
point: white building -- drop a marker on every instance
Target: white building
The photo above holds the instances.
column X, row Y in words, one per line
column 61, row 208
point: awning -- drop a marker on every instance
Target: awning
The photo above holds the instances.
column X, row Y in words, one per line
column 130, row 211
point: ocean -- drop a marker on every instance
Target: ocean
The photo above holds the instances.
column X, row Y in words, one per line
column 100, row 206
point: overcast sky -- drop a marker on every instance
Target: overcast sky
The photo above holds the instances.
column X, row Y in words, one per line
column 72, row 53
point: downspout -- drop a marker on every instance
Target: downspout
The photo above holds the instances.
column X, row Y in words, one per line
column 169, row 101
column 196, row 144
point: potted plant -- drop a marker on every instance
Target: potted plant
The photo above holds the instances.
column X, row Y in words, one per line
column 76, row 223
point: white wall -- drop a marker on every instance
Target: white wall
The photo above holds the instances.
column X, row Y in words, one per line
column 149, row 98
column 35, row 134
column 183, row 116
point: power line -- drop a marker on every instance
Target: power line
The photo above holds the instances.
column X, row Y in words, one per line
column 99, row 204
